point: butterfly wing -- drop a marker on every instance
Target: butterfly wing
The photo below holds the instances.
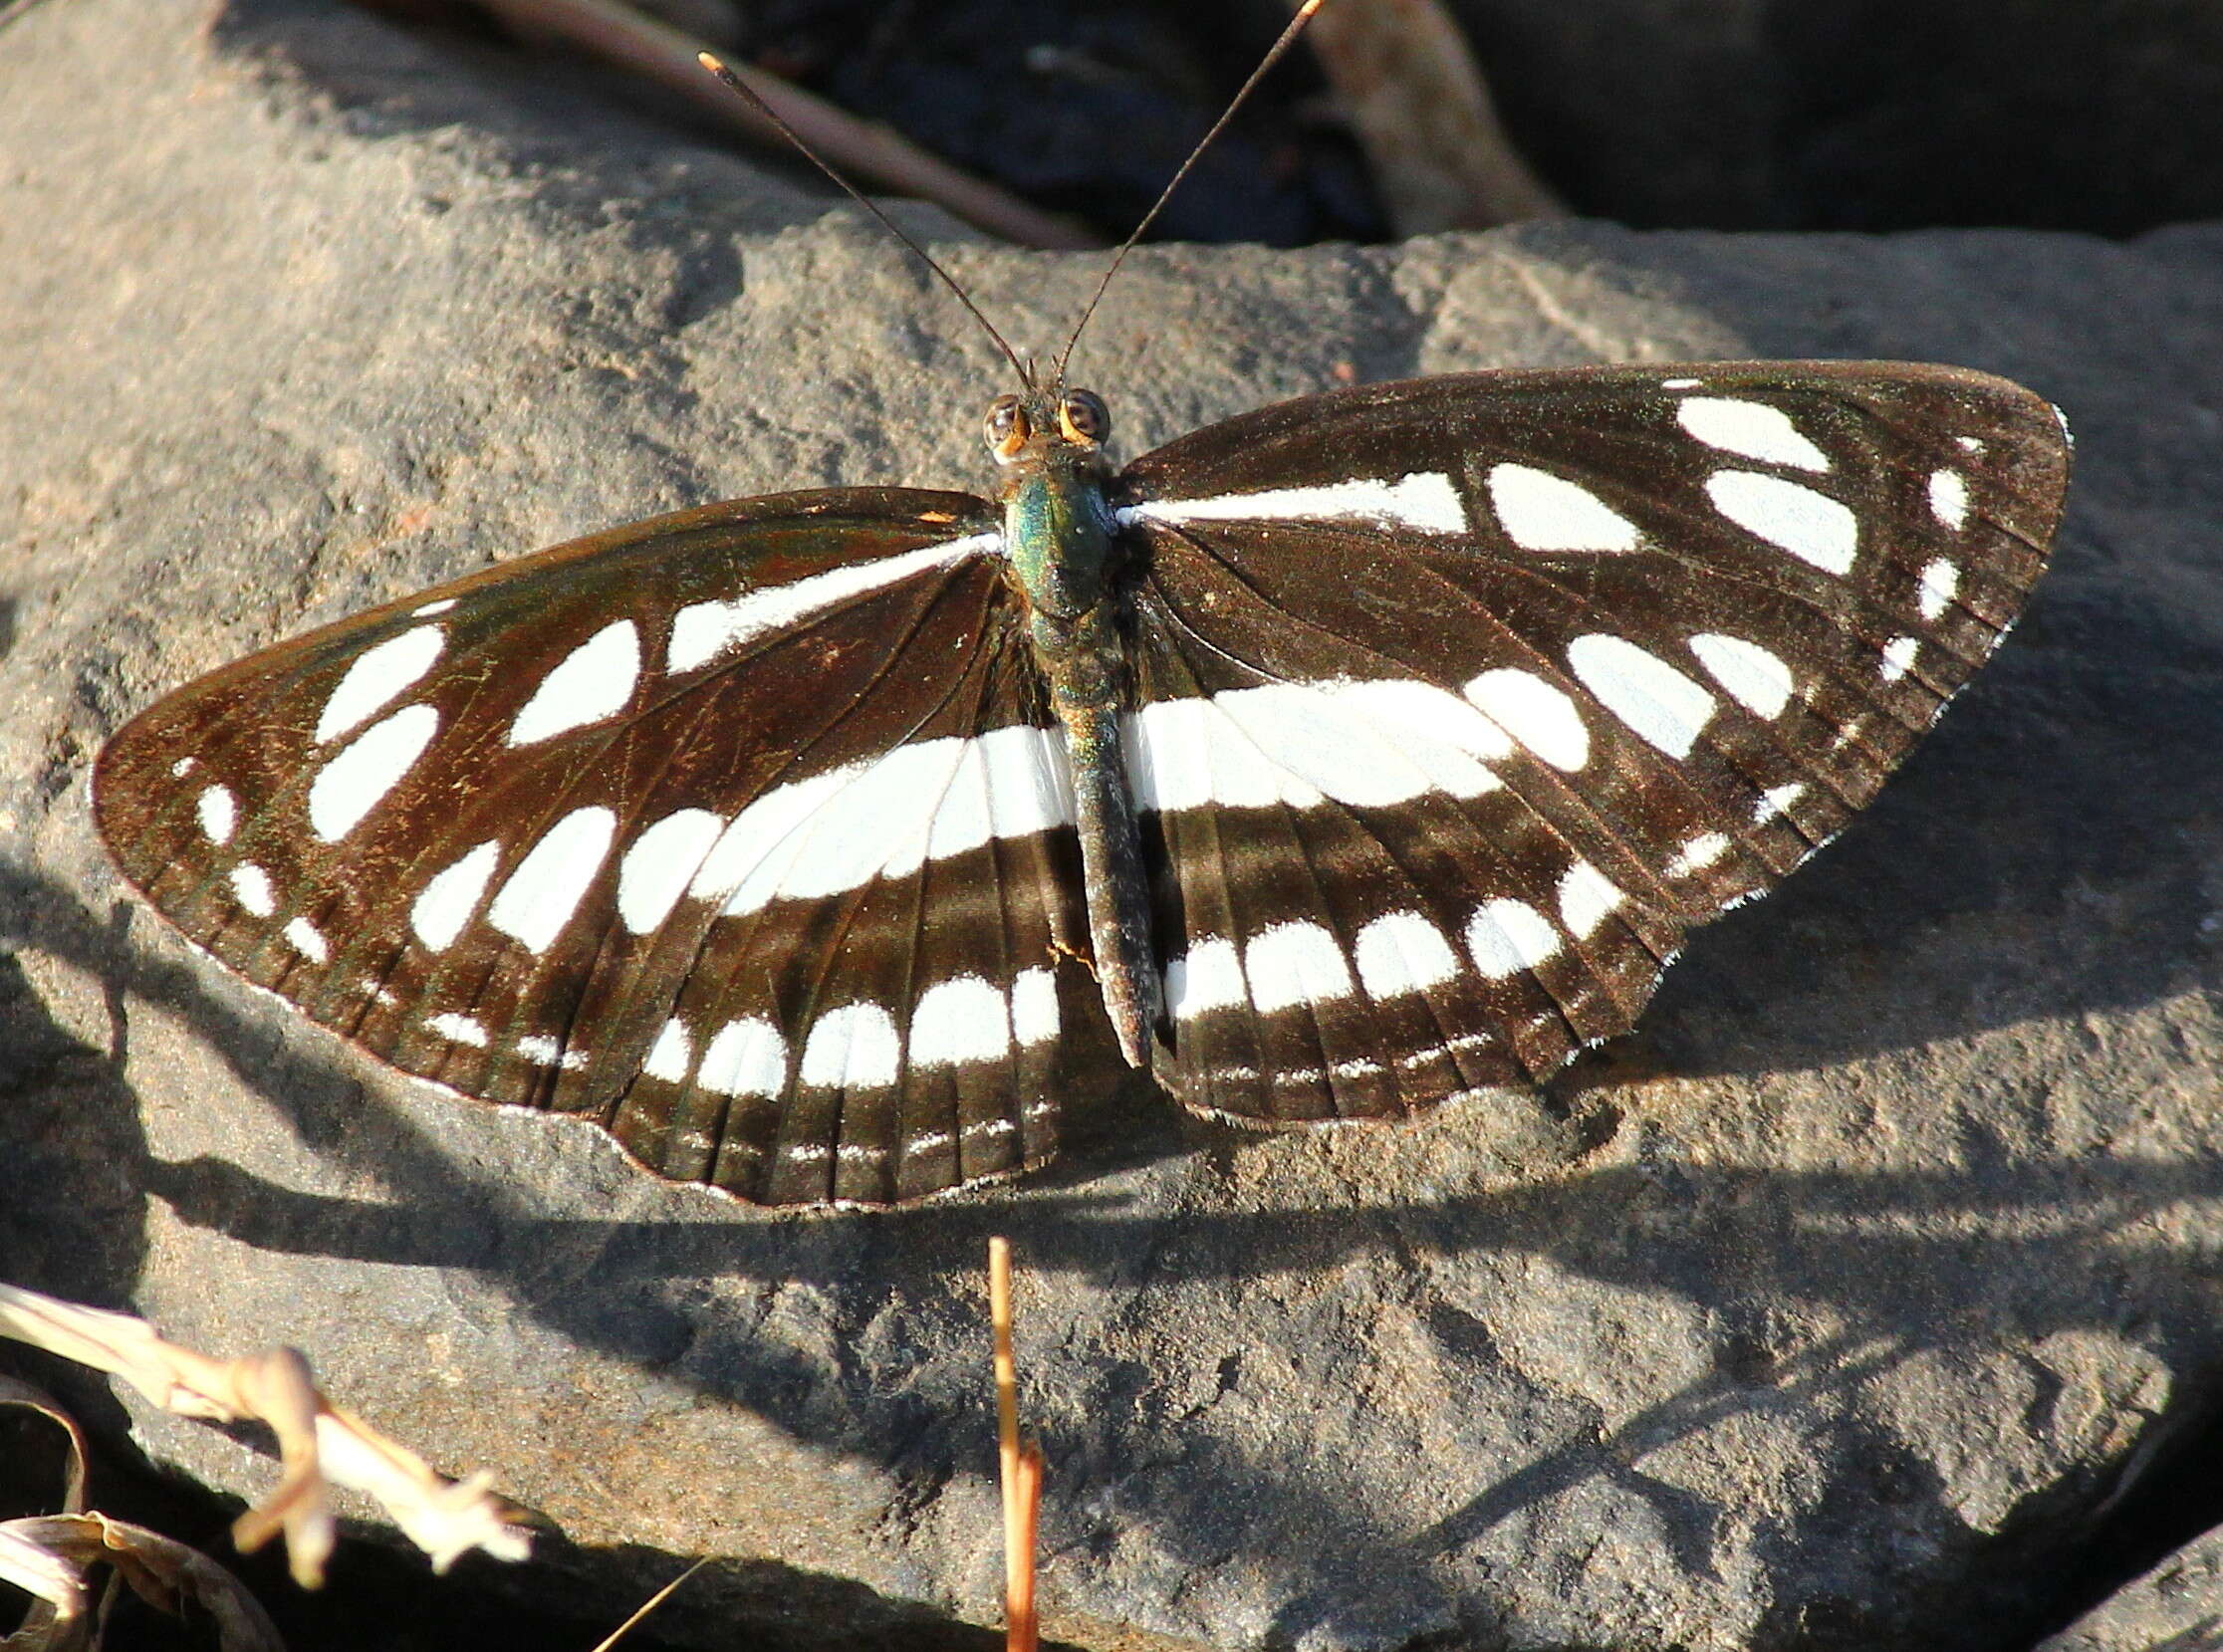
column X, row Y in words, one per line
column 1461, row 700
column 684, row 827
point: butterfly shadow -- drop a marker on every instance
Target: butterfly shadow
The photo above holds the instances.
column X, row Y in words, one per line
column 1754, row 1239
column 684, row 1291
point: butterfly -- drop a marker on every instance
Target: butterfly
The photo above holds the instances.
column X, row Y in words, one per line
column 1327, row 763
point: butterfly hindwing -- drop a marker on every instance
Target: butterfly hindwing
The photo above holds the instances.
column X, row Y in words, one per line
column 637, row 828
column 1485, row 688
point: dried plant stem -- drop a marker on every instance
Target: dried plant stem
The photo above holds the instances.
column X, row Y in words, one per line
column 610, row 1642
column 1023, row 1523
column 618, row 34
column 1020, row 1462
column 1421, row 109
column 319, row 1443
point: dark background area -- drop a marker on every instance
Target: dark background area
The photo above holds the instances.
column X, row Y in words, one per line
column 2104, row 116
column 2101, row 115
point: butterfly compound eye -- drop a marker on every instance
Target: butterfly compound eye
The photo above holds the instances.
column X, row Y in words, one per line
column 1006, row 429
column 1084, row 418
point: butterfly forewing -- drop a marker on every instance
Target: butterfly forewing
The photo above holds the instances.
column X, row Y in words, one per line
column 636, row 829
column 1468, row 696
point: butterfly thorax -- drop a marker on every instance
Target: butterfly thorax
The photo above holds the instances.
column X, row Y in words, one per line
column 1058, row 528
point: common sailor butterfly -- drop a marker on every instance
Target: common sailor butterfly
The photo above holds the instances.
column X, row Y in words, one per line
column 1326, row 763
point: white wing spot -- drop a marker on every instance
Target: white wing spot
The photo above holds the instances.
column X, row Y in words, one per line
column 960, row 1020
column 1587, row 897
column 1424, row 501
column 376, row 676
column 662, row 860
column 1533, row 712
column 543, row 1051
column 219, row 814
column 548, row 883
column 852, row 1048
column 1970, row 444
column 1697, row 854
column 1751, row 431
column 596, row 680
column 458, row 1029
column 1777, row 800
column 672, row 1053
column 1543, row 511
column 882, row 817
column 746, row 1056
column 704, row 630
column 1948, row 498
column 1679, row 383
column 1898, row 657
column 252, row 885
column 1034, row 1007
column 1665, row 708
column 1508, row 936
column 1941, row 584
column 1206, row 977
column 1748, row 674
column 183, row 766
column 431, row 609
column 308, row 940
column 1812, row 527
column 1369, row 744
column 1402, row 953
column 1009, row 783
column 1294, row 963
column 447, row 902
column 351, row 785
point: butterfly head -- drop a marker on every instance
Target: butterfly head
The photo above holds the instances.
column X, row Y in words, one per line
column 1053, row 425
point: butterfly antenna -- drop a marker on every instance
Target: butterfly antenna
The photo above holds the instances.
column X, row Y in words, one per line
column 749, row 95
column 1272, row 57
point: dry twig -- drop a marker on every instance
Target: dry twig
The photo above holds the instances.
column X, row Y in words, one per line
column 610, row 1642
column 1417, row 103
column 619, row 35
column 319, row 1444
column 1021, row 1463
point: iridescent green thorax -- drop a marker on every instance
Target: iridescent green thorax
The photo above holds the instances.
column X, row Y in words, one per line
column 1057, row 526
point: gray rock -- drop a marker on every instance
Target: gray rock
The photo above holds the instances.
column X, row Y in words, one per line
column 1808, row 1316
column 2175, row 1607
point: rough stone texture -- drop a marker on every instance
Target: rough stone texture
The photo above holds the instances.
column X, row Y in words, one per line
column 1806, row 1317
column 2175, row 1607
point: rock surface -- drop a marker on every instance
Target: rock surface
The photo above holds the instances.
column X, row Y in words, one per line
column 1806, row 1317
column 2175, row 1607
